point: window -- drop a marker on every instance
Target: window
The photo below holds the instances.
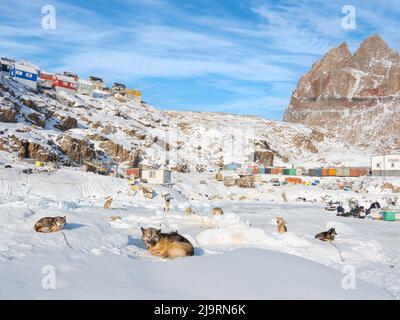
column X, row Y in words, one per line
column 152, row 174
column 18, row 73
column 378, row 165
column 392, row 165
column 29, row 75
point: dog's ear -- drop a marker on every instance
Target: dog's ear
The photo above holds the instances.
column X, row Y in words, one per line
column 158, row 231
column 143, row 230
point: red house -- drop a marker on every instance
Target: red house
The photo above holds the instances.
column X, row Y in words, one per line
column 46, row 80
column 64, row 83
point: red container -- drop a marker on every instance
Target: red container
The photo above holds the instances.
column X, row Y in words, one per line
column 256, row 170
column 325, row 172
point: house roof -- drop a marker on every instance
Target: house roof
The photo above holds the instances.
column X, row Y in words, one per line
column 116, row 84
column 65, row 78
column 95, row 79
column 85, row 82
column 27, row 68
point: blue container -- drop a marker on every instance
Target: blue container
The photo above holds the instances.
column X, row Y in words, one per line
column 262, row 170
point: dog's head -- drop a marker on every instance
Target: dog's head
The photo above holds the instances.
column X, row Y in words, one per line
column 151, row 236
column 61, row 222
column 280, row 220
column 332, row 231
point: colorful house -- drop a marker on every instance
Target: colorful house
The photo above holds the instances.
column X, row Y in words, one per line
column 118, row 88
column 85, row 87
column 64, row 83
column 98, row 83
column 134, row 94
column 25, row 74
column 45, row 79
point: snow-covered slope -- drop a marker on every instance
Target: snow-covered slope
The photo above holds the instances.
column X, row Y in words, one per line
column 77, row 128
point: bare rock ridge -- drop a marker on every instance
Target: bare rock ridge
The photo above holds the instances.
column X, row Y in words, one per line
column 355, row 97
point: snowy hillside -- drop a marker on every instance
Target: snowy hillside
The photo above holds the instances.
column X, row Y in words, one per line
column 73, row 128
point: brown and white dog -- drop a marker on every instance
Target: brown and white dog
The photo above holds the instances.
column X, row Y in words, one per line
column 166, row 245
column 327, row 235
column 50, row 224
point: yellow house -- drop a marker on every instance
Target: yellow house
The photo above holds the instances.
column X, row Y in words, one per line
column 134, row 94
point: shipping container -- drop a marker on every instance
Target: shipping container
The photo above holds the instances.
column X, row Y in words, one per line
column 299, row 171
column 262, row 170
column 358, row 172
column 268, row 170
column 339, row 172
column 332, row 172
column 232, row 166
column 289, row 172
column 256, row 170
column 389, row 216
column 315, row 172
column 325, row 172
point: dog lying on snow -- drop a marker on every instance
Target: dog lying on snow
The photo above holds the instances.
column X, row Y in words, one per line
column 327, row 235
column 166, row 245
column 50, row 224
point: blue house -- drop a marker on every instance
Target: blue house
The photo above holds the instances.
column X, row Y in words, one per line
column 24, row 74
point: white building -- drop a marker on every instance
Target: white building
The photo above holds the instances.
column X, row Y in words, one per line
column 156, row 176
column 85, row 87
column 386, row 165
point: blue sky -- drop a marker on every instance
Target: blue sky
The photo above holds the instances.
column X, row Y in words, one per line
column 240, row 56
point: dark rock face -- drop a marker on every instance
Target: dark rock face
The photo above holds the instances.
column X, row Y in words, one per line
column 356, row 96
column 77, row 149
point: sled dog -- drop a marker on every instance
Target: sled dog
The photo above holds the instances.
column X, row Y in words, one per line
column 166, row 245
column 50, row 224
column 327, row 235
column 108, row 203
column 217, row 212
column 281, row 225
column 167, row 202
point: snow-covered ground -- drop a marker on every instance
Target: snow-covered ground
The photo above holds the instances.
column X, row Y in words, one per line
column 238, row 256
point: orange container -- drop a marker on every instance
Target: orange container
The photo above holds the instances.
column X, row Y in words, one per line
column 325, row 172
column 356, row 172
column 294, row 180
column 332, row 172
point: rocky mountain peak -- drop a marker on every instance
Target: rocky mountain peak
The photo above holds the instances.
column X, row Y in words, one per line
column 349, row 95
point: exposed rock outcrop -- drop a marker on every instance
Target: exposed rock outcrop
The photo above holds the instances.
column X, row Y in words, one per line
column 354, row 96
column 117, row 151
column 76, row 149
